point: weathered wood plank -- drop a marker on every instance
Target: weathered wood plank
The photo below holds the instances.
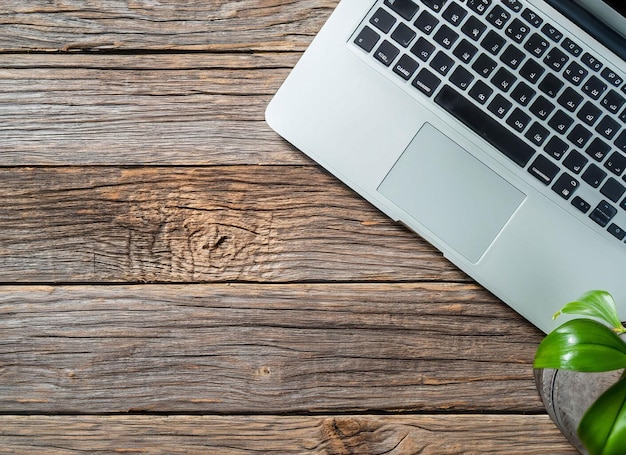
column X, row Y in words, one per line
column 185, row 109
column 332, row 435
column 233, row 223
column 268, row 349
column 223, row 25
column 435, row 343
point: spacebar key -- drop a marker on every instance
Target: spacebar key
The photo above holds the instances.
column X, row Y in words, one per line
column 485, row 126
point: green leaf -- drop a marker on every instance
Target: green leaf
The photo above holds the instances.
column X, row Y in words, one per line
column 602, row 429
column 596, row 304
column 582, row 345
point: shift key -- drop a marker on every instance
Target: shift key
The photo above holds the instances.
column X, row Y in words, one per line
column 485, row 126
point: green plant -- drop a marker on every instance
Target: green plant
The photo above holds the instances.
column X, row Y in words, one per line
column 587, row 345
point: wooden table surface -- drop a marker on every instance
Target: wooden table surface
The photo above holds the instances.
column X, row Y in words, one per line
column 176, row 278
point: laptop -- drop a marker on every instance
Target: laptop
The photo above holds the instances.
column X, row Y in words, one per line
column 493, row 129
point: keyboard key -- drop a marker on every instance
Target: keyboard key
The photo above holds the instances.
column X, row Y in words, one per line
column 537, row 134
column 484, row 65
column 445, row 36
column 620, row 141
column 616, row 163
column 513, row 5
column 556, row 148
column 543, row 169
column 531, row 17
column 426, row 82
column 465, row 51
column 552, row 32
column 594, row 87
column 551, row 85
column 622, row 116
column 480, row 92
column 454, row 14
column 579, row 136
column 571, row 47
column 422, row 49
column 613, row 189
column 517, row 30
column 603, row 213
column 405, row 67
column 591, row 62
column 435, row 5
column 485, row 126
column 575, row 73
column 518, row 120
column 593, row 175
column 403, row 35
column 616, row 231
column 560, row 122
column 479, row 6
column 426, row 22
column 522, row 93
column 581, row 204
column 382, row 20
column 598, row 149
column 611, row 77
column 461, row 78
column 498, row 17
column 386, row 53
column 512, row 57
column 499, row 106
column 589, row 113
column 473, row 28
column 556, row 59
column 493, row 43
column 608, row 127
column 367, row 39
column 613, row 101
column 442, row 63
column 503, row 79
column 575, row 161
column 532, row 71
column 570, row 99
column 542, row 108
column 405, row 8
column 565, row 186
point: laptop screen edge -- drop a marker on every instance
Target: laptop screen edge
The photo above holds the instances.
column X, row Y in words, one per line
column 597, row 18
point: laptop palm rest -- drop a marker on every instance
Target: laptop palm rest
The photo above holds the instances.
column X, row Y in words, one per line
column 451, row 193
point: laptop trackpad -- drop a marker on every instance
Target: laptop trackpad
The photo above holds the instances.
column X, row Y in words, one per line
column 453, row 194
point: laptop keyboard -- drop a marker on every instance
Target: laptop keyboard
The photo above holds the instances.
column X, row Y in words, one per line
column 535, row 94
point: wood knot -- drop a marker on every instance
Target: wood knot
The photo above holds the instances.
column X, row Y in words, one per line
column 346, row 427
column 70, row 374
column 263, row 372
column 344, row 436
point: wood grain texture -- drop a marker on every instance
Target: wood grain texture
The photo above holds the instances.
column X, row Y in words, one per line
column 232, row 223
column 215, row 25
column 185, row 109
column 329, row 435
column 284, row 314
column 263, row 349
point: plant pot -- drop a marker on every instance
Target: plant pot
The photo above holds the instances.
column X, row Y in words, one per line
column 568, row 394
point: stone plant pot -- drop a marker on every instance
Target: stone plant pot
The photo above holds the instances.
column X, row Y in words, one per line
column 568, row 394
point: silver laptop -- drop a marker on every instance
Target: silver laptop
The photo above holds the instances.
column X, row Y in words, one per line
column 493, row 129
